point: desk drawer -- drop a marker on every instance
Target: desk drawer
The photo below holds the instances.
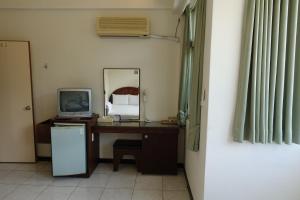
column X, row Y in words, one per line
column 174, row 131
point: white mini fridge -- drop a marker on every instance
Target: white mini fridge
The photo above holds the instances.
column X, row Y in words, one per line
column 68, row 143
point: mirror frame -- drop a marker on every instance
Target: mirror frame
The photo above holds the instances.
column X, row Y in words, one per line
column 134, row 68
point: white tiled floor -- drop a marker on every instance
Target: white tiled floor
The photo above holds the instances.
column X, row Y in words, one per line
column 34, row 182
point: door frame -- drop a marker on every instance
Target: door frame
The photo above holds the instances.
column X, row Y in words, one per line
column 31, row 86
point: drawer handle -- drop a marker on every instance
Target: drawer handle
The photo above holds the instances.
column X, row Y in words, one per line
column 146, row 136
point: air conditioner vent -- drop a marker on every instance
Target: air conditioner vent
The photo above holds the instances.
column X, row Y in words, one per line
column 123, row 26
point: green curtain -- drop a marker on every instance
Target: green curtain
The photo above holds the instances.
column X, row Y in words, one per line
column 197, row 26
column 185, row 72
column 192, row 72
column 268, row 101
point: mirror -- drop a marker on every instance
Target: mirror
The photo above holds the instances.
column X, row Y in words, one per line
column 122, row 93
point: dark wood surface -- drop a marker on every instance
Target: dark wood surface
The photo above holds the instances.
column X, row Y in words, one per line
column 127, row 147
column 159, row 153
column 43, row 131
column 127, row 90
column 133, row 127
column 159, row 144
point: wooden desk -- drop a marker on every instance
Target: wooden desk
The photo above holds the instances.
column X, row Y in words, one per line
column 159, row 143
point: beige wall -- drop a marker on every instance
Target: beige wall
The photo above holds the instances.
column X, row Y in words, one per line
column 66, row 41
column 92, row 4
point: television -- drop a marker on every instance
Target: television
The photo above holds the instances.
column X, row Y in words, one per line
column 74, row 102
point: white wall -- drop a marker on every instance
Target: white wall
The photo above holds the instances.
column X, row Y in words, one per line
column 66, row 41
column 240, row 171
column 195, row 161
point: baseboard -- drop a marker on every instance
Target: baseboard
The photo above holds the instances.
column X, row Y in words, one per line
column 128, row 161
column 110, row 160
column 104, row 160
column 43, row 158
column 180, row 165
column 100, row 160
column 188, row 185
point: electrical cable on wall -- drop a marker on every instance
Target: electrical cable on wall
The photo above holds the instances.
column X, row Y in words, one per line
column 174, row 38
column 144, row 102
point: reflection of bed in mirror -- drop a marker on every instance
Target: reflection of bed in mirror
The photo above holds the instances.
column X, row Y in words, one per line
column 124, row 102
column 122, row 93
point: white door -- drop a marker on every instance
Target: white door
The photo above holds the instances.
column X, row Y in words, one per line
column 16, row 116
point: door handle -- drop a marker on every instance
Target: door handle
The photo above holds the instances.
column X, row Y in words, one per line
column 146, row 136
column 27, row 108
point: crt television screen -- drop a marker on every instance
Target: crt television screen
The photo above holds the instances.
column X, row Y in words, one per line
column 74, row 101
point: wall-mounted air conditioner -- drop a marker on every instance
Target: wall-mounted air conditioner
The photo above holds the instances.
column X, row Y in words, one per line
column 123, row 26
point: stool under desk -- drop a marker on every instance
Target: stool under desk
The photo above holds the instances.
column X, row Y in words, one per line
column 159, row 143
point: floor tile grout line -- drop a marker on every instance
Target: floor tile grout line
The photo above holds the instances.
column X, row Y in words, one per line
column 103, row 189
column 136, row 176
column 71, row 193
column 9, row 172
column 77, row 185
column 108, row 178
column 147, row 189
column 106, row 184
column 16, row 183
column 26, row 179
column 162, row 187
column 11, row 191
column 41, row 192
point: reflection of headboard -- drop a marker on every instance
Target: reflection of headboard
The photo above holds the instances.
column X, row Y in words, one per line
column 125, row 90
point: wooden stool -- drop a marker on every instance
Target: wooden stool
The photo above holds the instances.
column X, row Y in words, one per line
column 127, row 147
